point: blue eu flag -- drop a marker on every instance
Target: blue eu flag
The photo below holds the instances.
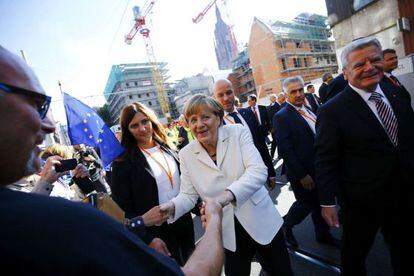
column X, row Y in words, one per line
column 86, row 127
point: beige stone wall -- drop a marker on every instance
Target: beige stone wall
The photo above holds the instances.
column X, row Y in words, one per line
column 378, row 19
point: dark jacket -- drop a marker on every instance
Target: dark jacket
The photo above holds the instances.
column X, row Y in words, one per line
column 314, row 103
column 295, row 141
column 335, row 87
column 323, row 90
column 258, row 140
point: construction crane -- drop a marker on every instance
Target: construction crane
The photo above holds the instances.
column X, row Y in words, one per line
column 200, row 16
column 140, row 25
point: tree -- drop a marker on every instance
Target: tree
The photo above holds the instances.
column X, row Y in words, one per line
column 104, row 113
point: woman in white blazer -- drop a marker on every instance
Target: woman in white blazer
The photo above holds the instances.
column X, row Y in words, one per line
column 223, row 163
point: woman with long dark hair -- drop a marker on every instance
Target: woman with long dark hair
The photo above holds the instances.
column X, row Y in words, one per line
column 148, row 175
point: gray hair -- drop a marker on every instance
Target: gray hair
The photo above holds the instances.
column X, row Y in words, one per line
column 273, row 96
column 358, row 45
column 201, row 102
column 290, row 80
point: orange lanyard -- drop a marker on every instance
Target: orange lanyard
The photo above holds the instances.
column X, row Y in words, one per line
column 301, row 112
column 167, row 172
column 229, row 120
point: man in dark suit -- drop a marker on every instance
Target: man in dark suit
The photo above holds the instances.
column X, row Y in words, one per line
column 223, row 92
column 313, row 100
column 365, row 156
column 260, row 113
column 295, row 137
column 335, row 87
column 272, row 109
column 326, row 78
column 391, row 63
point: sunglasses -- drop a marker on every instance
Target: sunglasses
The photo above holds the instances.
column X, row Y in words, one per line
column 44, row 100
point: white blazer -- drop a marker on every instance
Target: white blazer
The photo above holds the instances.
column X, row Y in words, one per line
column 239, row 169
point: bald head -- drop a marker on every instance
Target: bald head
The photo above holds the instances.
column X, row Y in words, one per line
column 14, row 71
column 224, row 94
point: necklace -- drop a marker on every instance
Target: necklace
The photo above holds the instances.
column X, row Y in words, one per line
column 168, row 170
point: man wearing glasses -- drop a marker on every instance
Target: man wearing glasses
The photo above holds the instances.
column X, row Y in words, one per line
column 47, row 236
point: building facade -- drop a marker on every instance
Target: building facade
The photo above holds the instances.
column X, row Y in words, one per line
column 242, row 76
column 187, row 87
column 225, row 43
column 279, row 50
column 133, row 82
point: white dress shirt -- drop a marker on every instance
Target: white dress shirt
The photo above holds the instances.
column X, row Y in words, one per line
column 256, row 109
column 371, row 104
column 165, row 191
column 310, row 114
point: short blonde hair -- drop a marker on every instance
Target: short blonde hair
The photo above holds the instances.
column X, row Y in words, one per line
column 199, row 102
column 57, row 149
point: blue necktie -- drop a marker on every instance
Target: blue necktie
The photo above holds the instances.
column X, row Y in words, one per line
column 235, row 117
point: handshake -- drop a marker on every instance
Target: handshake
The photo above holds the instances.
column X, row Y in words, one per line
column 210, row 208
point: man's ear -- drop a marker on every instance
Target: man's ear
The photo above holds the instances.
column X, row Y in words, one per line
column 345, row 72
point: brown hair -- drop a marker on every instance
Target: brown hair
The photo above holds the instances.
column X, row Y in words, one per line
column 128, row 113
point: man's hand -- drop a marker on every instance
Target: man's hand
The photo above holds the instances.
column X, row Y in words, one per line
column 210, row 209
column 330, row 215
column 307, row 182
column 159, row 246
column 272, row 182
column 80, row 171
column 49, row 174
column 180, row 140
column 154, row 216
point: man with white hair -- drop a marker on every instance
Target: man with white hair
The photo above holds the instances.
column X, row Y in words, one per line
column 295, row 136
column 365, row 157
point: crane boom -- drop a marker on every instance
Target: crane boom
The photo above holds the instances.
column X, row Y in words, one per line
column 200, row 16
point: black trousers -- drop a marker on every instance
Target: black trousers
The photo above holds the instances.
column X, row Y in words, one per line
column 274, row 254
column 274, row 145
column 306, row 203
column 360, row 226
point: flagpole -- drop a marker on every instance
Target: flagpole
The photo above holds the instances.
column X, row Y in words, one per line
column 62, row 135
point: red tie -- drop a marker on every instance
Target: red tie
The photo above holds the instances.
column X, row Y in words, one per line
column 255, row 114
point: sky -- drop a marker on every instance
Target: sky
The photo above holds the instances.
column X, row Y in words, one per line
column 77, row 41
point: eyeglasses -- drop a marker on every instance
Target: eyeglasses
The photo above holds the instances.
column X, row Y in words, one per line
column 44, row 101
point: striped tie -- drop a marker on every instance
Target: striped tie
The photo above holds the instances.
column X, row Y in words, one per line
column 387, row 116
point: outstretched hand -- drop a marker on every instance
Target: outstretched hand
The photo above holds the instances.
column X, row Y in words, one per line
column 154, row 216
column 210, row 209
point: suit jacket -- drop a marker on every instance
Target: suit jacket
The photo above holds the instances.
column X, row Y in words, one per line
column 323, row 90
column 314, row 103
column 239, row 169
column 335, row 87
column 135, row 190
column 295, row 141
column 386, row 79
column 271, row 111
column 355, row 155
column 260, row 143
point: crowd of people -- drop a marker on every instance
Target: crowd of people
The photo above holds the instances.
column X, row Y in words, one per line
column 349, row 148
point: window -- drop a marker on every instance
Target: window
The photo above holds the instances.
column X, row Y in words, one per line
column 130, row 97
column 127, row 84
column 284, row 64
column 148, row 94
column 306, row 62
column 297, row 62
column 136, row 83
column 150, row 103
column 360, row 4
